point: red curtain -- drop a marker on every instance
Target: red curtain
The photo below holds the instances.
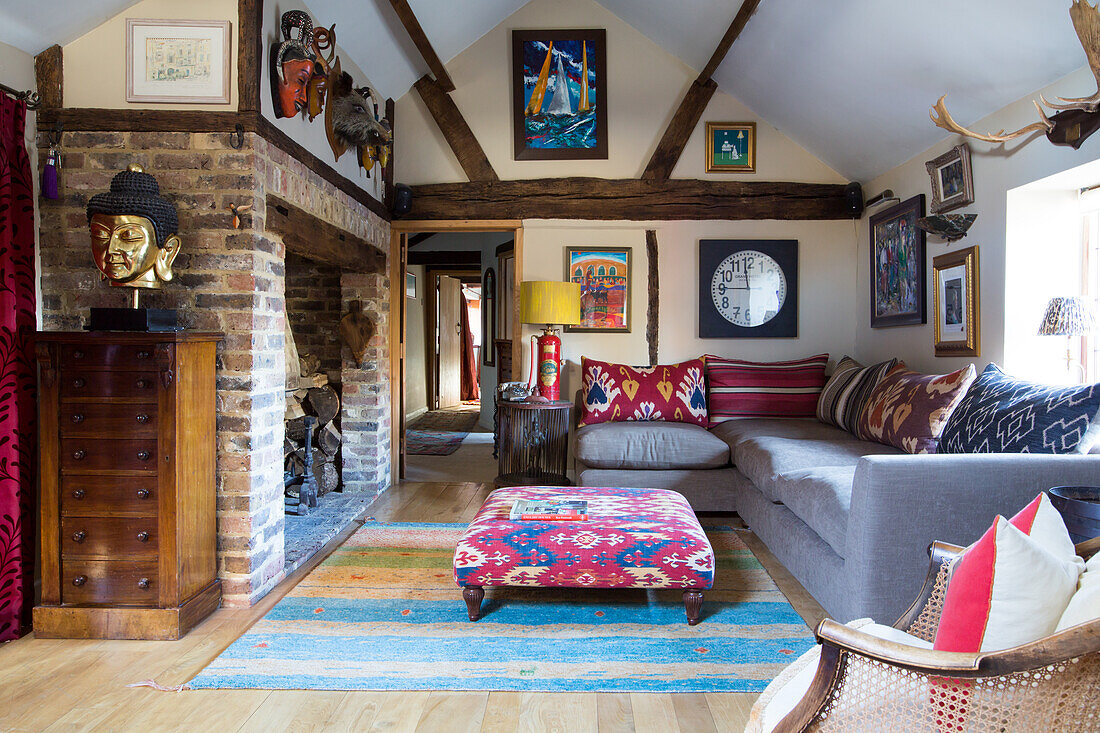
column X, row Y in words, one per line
column 17, row 373
column 469, row 390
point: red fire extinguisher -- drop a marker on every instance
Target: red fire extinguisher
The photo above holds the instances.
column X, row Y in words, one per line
column 546, row 365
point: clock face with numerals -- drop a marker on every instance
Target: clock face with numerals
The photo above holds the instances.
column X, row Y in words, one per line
column 748, row 288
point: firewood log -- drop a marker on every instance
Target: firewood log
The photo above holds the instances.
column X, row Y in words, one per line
column 293, row 408
column 328, row 439
column 324, row 403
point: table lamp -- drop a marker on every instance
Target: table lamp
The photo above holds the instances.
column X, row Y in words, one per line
column 548, row 303
column 1070, row 316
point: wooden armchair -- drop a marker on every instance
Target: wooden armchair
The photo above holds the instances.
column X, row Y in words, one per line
column 864, row 683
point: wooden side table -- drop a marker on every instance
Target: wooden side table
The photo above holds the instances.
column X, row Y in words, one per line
column 534, row 443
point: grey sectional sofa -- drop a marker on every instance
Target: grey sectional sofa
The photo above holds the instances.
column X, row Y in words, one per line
column 851, row 519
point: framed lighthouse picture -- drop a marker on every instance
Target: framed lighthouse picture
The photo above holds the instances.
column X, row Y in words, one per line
column 559, row 94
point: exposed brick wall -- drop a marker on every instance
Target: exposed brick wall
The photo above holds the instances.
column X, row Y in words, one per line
column 313, row 306
column 230, row 281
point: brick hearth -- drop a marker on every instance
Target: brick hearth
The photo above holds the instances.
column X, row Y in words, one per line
column 232, row 281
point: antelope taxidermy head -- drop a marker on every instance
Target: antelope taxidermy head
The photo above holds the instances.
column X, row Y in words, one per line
column 1075, row 119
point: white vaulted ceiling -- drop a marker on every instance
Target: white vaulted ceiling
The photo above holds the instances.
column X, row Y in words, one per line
column 851, row 80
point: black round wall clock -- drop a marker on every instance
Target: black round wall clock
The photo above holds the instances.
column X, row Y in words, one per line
column 748, row 288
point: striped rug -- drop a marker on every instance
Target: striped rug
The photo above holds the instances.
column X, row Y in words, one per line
column 383, row 613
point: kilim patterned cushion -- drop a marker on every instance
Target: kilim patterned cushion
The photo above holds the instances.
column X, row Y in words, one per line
column 633, row 538
column 847, row 391
column 618, row 393
column 738, row 388
column 909, row 410
column 1001, row 414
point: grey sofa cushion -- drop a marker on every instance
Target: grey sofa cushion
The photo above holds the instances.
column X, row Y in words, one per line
column 820, row 497
column 649, row 445
column 707, row 490
column 734, row 431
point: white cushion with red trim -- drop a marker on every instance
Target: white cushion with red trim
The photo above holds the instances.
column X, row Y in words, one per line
column 1085, row 604
column 1012, row 585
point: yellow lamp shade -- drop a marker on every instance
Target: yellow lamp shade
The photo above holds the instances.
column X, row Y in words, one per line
column 550, row 302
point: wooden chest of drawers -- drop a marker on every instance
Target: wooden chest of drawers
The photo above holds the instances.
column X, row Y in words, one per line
column 127, row 502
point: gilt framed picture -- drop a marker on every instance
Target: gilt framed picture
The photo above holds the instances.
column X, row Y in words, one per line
column 898, row 265
column 731, row 147
column 178, row 61
column 605, row 279
column 952, row 179
column 956, row 303
column 559, row 94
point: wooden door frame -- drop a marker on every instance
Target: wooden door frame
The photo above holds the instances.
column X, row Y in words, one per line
column 431, row 294
column 399, row 230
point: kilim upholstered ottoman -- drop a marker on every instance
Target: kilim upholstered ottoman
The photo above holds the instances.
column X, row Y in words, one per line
column 633, row 538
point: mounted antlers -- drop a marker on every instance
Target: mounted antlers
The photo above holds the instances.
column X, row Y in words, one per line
column 1077, row 119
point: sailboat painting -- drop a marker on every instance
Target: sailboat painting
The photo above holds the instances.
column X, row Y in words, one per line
column 559, row 94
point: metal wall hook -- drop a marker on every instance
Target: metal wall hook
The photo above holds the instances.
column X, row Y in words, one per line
column 236, row 139
column 54, row 135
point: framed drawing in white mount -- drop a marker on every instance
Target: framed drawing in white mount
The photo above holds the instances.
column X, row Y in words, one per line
column 178, row 61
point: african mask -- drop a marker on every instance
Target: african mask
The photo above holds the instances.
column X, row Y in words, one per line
column 133, row 231
column 293, row 64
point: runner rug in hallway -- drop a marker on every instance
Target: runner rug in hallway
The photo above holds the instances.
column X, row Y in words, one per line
column 439, row 432
column 383, row 613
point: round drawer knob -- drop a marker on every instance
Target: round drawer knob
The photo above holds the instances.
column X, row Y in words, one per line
column 78, row 354
column 142, row 419
column 143, row 583
column 143, row 384
column 78, row 537
column 143, row 493
column 143, row 355
column 78, row 418
column 143, row 455
column 143, row 536
column 78, row 455
column 79, row 580
column 79, row 382
column 78, row 494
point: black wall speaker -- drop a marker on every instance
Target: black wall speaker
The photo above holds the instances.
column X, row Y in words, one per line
column 853, row 199
column 402, row 199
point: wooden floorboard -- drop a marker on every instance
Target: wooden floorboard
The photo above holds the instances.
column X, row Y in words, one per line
column 80, row 685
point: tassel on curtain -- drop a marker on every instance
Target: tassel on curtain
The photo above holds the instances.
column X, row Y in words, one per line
column 17, row 373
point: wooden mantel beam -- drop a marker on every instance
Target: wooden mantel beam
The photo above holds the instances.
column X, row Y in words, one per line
column 318, row 240
column 694, row 103
column 420, row 40
column 453, row 125
column 628, row 199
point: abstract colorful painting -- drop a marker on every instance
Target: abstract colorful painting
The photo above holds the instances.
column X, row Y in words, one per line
column 604, row 276
column 897, row 265
column 559, row 105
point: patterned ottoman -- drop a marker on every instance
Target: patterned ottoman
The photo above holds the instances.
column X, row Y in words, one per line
column 633, row 538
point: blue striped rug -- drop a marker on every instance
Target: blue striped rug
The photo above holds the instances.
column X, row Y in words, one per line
column 383, row 613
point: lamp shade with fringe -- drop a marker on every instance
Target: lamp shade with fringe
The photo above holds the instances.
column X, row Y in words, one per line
column 1070, row 316
column 550, row 302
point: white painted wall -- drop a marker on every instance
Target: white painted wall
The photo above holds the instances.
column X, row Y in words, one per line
column 997, row 170
column 17, row 71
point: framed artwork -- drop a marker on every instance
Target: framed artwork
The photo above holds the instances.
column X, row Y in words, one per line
column 956, row 303
column 952, row 179
column 898, row 266
column 410, row 285
column 181, row 61
column 488, row 316
column 605, row 279
column 748, row 288
column 731, row 147
column 559, row 94
column 508, row 310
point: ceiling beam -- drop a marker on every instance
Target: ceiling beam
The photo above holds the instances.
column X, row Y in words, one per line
column 691, row 108
column 453, row 125
column 48, row 77
column 629, row 200
column 423, row 45
column 250, row 41
column 316, row 239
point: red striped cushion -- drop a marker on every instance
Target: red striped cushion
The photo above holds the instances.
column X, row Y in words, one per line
column 763, row 389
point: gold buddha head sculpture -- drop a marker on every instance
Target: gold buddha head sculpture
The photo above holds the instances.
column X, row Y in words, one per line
column 133, row 229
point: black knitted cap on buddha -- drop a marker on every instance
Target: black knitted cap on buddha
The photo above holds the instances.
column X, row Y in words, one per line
column 136, row 192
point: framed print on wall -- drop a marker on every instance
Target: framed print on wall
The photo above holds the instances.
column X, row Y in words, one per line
column 731, row 147
column 897, row 266
column 956, row 303
column 748, row 288
column 178, row 61
column 952, row 179
column 605, row 279
column 559, row 94
column 410, row 285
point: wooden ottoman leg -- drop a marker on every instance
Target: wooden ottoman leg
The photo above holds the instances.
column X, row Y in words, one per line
column 473, row 594
column 693, row 603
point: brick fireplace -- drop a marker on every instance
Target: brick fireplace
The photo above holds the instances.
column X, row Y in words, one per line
column 233, row 281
